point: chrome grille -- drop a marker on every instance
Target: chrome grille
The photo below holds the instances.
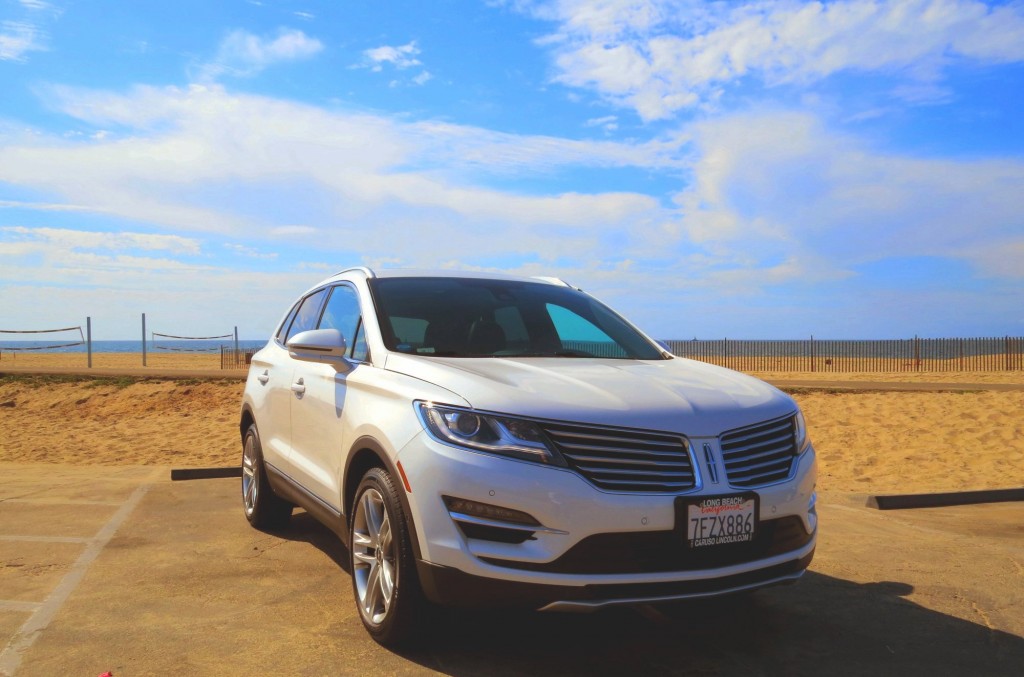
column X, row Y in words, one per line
column 759, row 454
column 625, row 460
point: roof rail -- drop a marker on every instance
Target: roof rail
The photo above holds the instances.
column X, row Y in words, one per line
column 553, row 280
column 363, row 269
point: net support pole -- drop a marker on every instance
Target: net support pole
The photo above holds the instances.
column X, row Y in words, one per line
column 143, row 339
column 236, row 340
column 88, row 339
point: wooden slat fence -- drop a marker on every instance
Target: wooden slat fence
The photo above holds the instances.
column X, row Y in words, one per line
column 1004, row 353
column 236, row 359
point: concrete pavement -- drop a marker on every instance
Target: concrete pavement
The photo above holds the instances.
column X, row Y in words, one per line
column 183, row 585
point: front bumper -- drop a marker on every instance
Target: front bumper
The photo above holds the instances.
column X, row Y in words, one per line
column 578, row 561
column 451, row 586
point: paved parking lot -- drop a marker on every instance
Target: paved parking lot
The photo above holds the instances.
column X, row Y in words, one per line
column 119, row 569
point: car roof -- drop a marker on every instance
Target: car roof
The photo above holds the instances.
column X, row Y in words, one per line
column 470, row 274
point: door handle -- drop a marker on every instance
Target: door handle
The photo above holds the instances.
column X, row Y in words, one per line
column 264, row 377
column 298, row 387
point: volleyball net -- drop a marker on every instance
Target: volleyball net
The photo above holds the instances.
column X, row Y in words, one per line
column 21, row 340
column 187, row 344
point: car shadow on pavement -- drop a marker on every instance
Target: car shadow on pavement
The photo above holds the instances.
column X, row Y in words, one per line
column 823, row 625
column 305, row 528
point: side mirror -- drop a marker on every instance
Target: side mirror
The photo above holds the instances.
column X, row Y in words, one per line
column 318, row 345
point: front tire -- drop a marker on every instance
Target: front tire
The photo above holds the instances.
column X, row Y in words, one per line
column 264, row 509
column 384, row 579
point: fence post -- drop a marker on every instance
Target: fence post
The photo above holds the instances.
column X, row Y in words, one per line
column 144, row 339
column 812, row 352
column 88, row 339
column 917, row 353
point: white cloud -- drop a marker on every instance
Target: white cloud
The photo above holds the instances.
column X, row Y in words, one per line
column 17, row 39
column 243, row 54
column 659, row 56
column 400, row 56
column 609, row 123
column 50, row 276
column 292, row 230
column 186, row 142
column 43, row 206
column 781, row 185
column 321, row 267
column 773, row 191
column 250, row 252
column 67, row 239
column 999, row 258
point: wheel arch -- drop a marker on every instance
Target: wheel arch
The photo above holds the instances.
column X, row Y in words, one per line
column 369, row 453
column 246, row 420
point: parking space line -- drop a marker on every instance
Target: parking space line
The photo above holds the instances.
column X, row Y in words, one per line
column 17, row 605
column 43, row 615
column 45, row 539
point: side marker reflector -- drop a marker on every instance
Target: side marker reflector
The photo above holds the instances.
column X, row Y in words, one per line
column 405, row 480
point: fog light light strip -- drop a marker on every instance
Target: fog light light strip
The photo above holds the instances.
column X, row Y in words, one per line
column 471, row 519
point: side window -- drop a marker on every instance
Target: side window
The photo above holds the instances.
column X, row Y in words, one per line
column 307, row 315
column 342, row 313
column 282, row 333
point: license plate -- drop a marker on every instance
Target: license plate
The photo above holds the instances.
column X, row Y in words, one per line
column 721, row 520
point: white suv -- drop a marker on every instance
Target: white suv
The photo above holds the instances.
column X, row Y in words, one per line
column 480, row 439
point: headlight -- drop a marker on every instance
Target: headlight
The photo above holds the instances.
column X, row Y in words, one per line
column 489, row 433
column 800, row 433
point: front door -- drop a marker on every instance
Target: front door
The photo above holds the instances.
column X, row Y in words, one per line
column 319, row 402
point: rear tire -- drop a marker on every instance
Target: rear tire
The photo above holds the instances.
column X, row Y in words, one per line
column 264, row 509
column 384, row 581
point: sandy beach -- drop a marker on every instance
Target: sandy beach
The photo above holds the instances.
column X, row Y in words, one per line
column 866, row 441
column 158, row 360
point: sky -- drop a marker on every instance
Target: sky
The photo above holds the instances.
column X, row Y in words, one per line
column 845, row 169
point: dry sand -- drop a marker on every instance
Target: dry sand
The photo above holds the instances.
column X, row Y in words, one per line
column 866, row 442
column 111, row 421
column 160, row 360
column 916, row 442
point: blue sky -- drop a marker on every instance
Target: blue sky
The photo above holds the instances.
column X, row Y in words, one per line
column 846, row 169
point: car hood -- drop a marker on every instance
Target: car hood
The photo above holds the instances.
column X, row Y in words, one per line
column 678, row 395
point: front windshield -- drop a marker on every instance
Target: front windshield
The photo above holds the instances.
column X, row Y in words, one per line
column 464, row 317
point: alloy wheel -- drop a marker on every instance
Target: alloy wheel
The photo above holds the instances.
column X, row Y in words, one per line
column 374, row 566
column 250, row 475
